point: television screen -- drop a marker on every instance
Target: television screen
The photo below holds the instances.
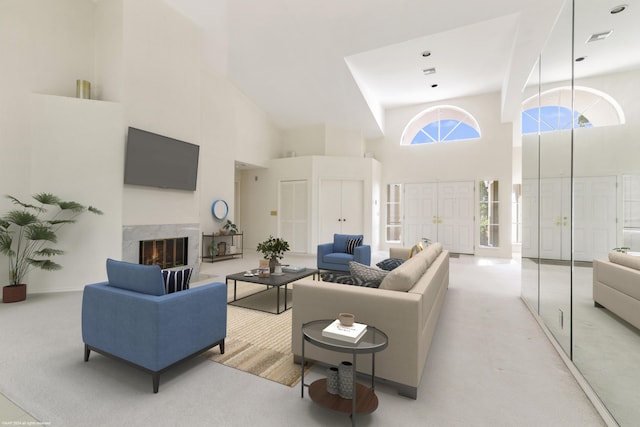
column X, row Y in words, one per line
column 158, row 161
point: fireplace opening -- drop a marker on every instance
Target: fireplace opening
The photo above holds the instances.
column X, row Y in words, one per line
column 166, row 253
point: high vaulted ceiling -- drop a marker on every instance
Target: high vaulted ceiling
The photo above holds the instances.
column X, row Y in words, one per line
column 343, row 62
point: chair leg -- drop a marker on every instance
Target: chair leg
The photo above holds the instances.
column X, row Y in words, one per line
column 222, row 347
column 156, row 381
column 87, row 350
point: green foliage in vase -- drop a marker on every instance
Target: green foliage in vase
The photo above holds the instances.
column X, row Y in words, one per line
column 28, row 234
column 273, row 248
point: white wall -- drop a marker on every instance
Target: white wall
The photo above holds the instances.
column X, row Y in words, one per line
column 486, row 158
column 76, row 155
column 148, row 58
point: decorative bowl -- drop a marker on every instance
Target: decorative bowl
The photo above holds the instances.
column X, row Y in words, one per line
column 346, row 319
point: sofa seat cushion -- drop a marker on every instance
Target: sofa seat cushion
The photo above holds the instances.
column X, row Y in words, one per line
column 627, row 260
column 145, row 279
column 176, row 280
column 338, row 258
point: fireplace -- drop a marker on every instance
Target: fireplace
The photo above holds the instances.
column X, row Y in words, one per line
column 167, row 253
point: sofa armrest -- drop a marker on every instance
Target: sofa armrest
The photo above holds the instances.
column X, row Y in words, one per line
column 153, row 331
column 362, row 254
column 324, row 249
column 395, row 313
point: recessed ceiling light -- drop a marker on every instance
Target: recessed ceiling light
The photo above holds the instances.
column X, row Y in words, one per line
column 434, row 85
column 581, row 58
column 426, row 53
column 618, row 9
column 428, row 71
column 599, row 36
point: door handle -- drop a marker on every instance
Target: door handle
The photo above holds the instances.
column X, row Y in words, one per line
column 439, row 220
column 434, row 219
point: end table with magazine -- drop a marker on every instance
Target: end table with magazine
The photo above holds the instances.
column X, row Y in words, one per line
column 364, row 399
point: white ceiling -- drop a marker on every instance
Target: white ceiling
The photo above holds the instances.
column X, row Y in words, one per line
column 342, row 62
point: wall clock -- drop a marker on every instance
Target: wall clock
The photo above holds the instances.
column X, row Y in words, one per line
column 219, row 209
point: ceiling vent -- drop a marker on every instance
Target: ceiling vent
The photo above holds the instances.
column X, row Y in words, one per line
column 599, row 36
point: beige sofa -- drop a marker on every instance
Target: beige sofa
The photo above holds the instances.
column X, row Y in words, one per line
column 408, row 316
column 616, row 286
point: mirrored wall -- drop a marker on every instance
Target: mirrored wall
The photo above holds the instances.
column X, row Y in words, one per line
column 581, row 190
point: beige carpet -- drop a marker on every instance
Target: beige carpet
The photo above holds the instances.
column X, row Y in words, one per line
column 259, row 343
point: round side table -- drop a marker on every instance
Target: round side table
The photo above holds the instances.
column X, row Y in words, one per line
column 364, row 399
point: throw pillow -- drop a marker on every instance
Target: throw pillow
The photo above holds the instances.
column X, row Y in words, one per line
column 176, row 280
column 364, row 273
column 351, row 245
column 390, row 263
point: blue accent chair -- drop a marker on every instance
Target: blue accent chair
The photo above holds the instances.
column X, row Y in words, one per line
column 129, row 318
column 334, row 256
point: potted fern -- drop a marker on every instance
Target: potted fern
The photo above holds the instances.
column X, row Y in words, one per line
column 273, row 249
column 28, row 235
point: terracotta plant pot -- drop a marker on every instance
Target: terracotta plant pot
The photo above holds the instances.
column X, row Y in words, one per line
column 14, row 293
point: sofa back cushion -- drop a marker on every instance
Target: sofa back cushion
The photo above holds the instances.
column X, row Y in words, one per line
column 145, row 279
column 627, row 260
column 340, row 241
column 407, row 275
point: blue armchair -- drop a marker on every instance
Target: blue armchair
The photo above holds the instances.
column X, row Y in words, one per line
column 336, row 255
column 130, row 318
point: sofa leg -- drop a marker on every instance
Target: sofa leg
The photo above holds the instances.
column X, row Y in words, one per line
column 87, row 351
column 156, row 381
column 222, row 347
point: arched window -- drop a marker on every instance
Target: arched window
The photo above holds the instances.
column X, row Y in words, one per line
column 442, row 123
column 552, row 111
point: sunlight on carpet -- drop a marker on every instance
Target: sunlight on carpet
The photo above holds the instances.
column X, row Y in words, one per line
column 259, row 343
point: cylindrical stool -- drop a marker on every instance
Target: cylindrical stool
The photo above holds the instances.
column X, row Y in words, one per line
column 345, row 380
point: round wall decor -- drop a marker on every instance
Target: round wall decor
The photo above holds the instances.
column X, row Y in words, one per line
column 219, row 209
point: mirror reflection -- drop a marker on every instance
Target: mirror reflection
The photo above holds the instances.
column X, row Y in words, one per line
column 581, row 197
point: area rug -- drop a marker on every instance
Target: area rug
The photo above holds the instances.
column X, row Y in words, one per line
column 259, row 343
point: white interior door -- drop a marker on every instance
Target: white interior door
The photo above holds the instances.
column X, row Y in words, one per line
column 341, row 208
column 441, row 212
column 530, row 218
column 352, row 207
column 420, row 213
column 294, row 218
column 456, row 216
column 594, row 217
column 551, row 218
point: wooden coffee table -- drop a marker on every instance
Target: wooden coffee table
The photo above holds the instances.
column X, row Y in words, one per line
column 278, row 281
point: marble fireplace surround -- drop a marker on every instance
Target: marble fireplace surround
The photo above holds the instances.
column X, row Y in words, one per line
column 133, row 234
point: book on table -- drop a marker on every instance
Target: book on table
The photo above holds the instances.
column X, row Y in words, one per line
column 293, row 268
column 338, row 331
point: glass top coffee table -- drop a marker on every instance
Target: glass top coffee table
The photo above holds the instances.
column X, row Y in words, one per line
column 273, row 281
column 364, row 399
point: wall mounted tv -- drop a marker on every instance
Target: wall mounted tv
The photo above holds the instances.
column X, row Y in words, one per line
column 159, row 161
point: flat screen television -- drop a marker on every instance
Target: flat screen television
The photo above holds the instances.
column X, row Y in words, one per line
column 159, row 161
